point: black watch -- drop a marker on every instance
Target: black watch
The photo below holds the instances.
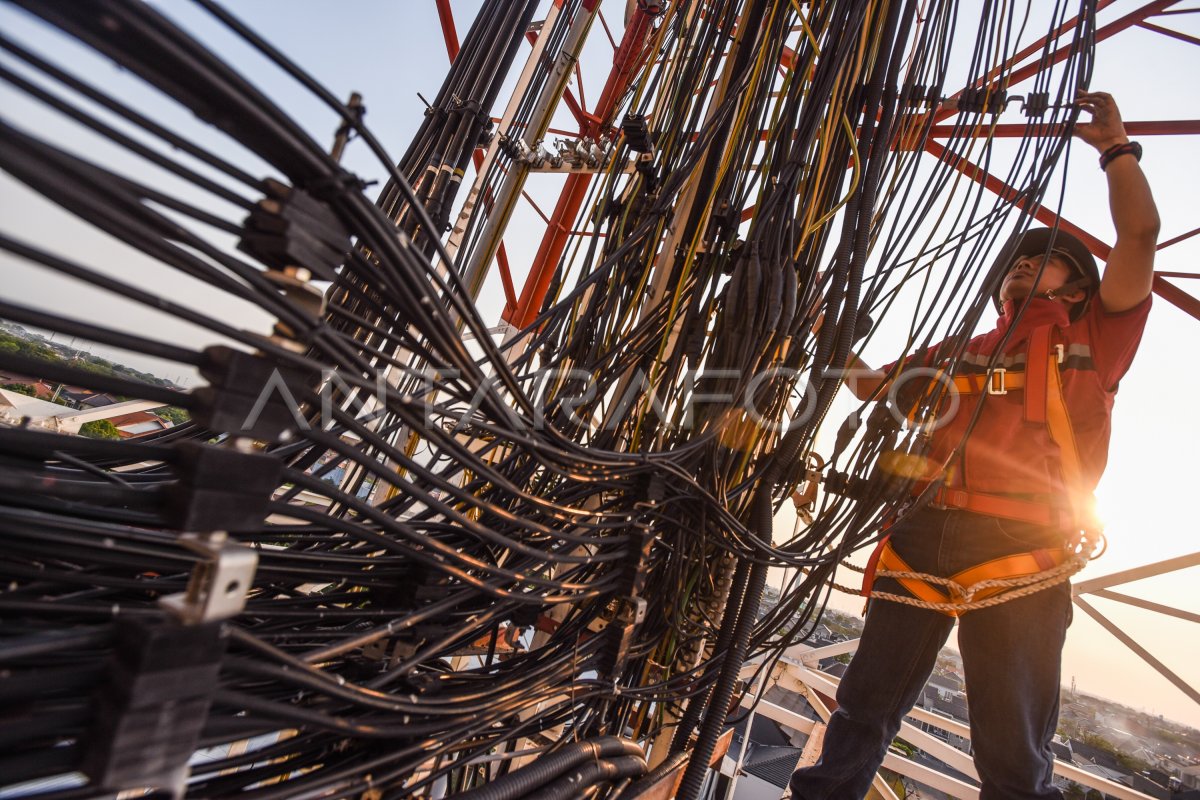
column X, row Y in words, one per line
column 1117, row 150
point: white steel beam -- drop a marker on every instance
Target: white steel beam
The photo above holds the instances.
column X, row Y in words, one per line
column 539, row 120
column 810, row 655
column 1129, row 642
column 825, row 684
column 930, row 777
column 940, row 750
column 784, row 716
column 804, row 678
column 1137, row 574
column 1147, row 604
column 813, row 746
column 1092, row 781
column 945, row 723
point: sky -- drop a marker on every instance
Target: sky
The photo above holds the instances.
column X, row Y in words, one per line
column 391, row 50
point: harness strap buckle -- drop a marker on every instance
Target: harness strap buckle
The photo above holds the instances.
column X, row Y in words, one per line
column 995, row 381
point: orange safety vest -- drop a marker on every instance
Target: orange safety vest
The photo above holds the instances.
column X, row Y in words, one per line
column 1044, row 403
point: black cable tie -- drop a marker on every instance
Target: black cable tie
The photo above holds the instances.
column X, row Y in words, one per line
column 1036, row 104
column 637, row 133
column 291, row 228
column 249, row 395
column 220, row 488
column 150, row 711
column 970, row 100
column 913, row 94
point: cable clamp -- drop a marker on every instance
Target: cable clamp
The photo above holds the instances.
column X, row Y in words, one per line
column 982, row 99
column 220, row 488
column 290, row 228
column 220, row 581
column 250, row 395
column 152, row 705
column 637, row 133
column 1036, row 104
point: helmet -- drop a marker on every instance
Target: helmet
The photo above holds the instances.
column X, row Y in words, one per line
column 1046, row 241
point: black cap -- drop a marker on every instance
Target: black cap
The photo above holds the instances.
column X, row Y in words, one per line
column 1046, row 241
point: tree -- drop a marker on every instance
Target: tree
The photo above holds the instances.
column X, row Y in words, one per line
column 14, row 344
column 99, row 429
column 1125, row 760
column 19, row 388
column 172, row 414
column 1070, row 729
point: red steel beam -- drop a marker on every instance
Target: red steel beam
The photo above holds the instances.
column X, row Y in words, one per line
column 1134, row 18
column 626, row 61
column 506, row 281
column 1161, row 286
column 446, row 17
column 576, row 108
column 1183, row 37
column 945, row 112
column 1176, row 296
column 1021, row 55
column 579, row 83
column 1007, row 192
column 1106, row 32
column 607, row 30
column 1168, row 291
column 1011, row 130
column 1178, row 127
column 1109, row 30
column 1179, row 238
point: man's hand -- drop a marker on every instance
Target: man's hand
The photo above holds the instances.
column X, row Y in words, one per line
column 1105, row 128
column 1129, row 273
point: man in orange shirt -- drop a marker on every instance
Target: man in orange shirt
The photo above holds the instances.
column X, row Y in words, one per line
column 1013, row 487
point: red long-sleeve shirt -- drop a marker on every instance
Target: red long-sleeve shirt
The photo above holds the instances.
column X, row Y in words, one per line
column 1005, row 453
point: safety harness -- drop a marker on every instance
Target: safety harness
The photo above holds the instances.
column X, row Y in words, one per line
column 1044, row 403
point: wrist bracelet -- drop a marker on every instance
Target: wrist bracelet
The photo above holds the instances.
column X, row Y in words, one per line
column 1117, row 150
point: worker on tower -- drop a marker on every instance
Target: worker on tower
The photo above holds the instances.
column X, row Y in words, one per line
column 1010, row 502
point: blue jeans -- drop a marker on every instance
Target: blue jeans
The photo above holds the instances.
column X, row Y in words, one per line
column 1011, row 656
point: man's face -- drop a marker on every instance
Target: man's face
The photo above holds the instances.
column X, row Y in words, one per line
column 1022, row 278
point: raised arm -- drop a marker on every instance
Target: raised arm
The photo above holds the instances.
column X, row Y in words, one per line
column 1129, row 272
column 863, row 380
